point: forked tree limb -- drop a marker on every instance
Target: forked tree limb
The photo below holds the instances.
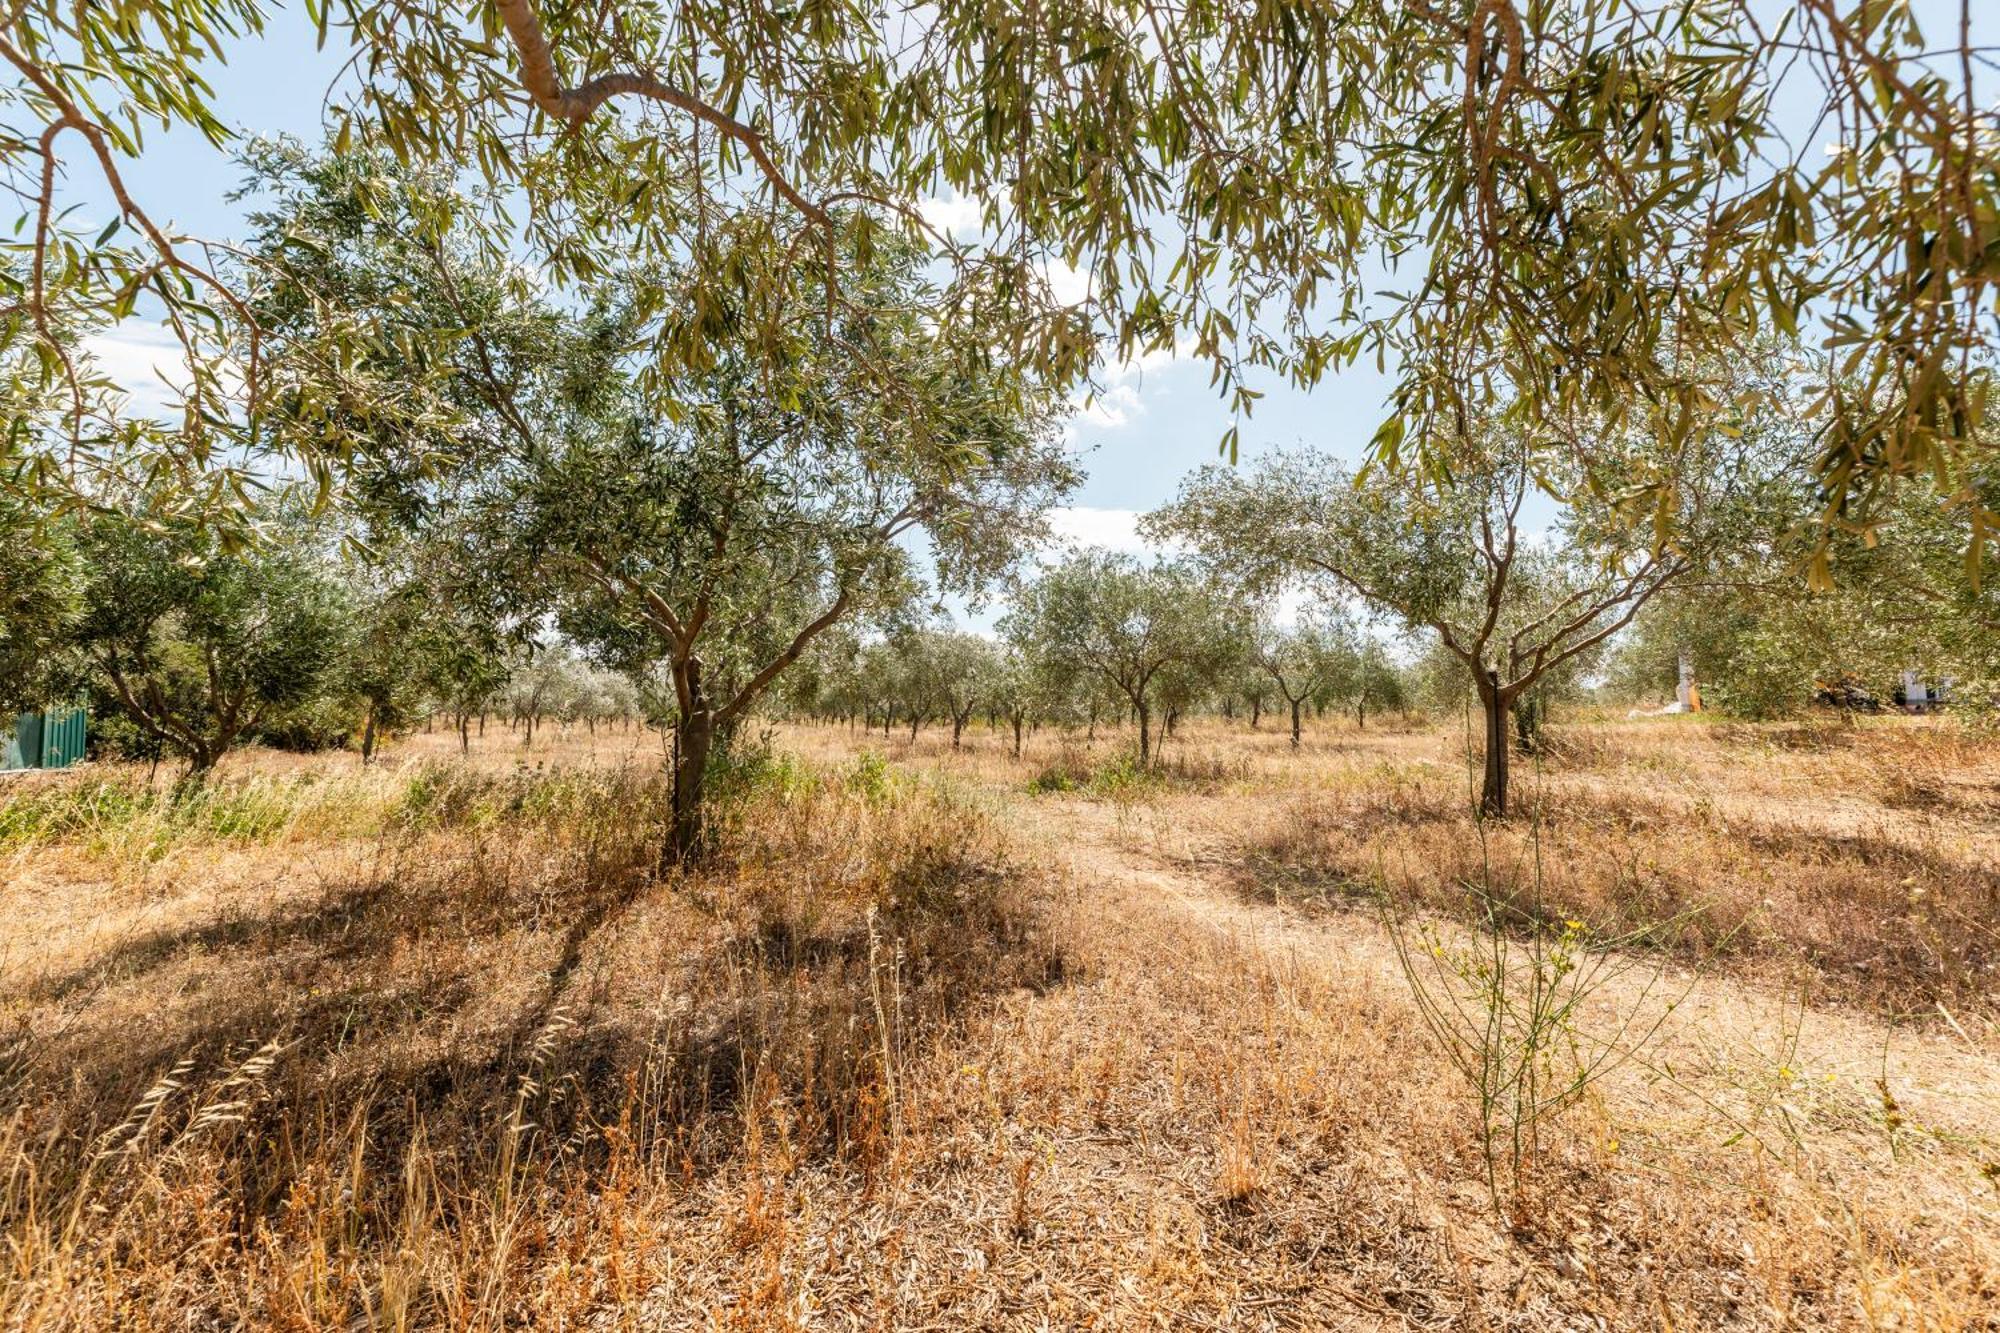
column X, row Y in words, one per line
column 574, row 106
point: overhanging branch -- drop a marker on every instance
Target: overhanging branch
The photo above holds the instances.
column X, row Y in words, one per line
column 573, row 106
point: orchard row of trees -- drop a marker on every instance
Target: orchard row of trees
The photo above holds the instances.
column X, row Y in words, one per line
column 303, row 640
column 533, row 477
column 523, row 469
column 1528, row 574
column 1100, row 640
column 708, row 556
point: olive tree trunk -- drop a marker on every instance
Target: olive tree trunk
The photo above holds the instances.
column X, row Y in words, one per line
column 694, row 742
column 1493, row 790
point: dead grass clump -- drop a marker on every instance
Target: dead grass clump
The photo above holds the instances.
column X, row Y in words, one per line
column 1070, row 769
column 1578, row 748
column 1819, row 732
column 1917, row 787
column 1119, row 775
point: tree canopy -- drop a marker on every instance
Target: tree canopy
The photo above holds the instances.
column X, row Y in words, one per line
column 1461, row 562
column 710, row 518
column 1578, row 205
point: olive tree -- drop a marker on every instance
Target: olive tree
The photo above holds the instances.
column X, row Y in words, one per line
column 882, row 671
column 410, row 646
column 1319, row 654
column 465, row 670
column 1022, row 690
column 961, row 669
column 201, row 645
column 1105, row 619
column 912, row 681
column 824, row 684
column 721, row 523
column 1372, row 681
column 545, row 680
column 709, row 514
column 39, row 583
column 1903, row 595
column 1510, row 605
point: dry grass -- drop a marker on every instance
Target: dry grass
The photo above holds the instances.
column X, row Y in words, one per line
column 429, row 1047
column 1864, row 863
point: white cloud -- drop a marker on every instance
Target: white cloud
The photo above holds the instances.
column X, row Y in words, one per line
column 1292, row 602
column 1112, row 408
column 1118, row 398
column 1158, row 358
column 958, row 216
column 148, row 365
column 144, row 360
column 1110, row 529
column 1068, row 284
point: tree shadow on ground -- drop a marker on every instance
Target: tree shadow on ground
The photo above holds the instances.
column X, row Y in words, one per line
column 445, row 1005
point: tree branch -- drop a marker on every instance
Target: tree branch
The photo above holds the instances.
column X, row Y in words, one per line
column 748, row 694
column 574, row 106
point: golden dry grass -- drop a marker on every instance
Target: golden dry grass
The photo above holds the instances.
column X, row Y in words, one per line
column 429, row 1047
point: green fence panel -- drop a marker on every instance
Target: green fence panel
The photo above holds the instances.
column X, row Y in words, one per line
column 51, row 738
column 28, row 739
column 62, row 737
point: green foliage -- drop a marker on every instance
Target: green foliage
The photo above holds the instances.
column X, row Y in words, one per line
column 1119, row 776
column 1903, row 595
column 702, row 517
column 145, row 822
column 40, row 580
column 1594, row 196
column 1524, row 614
column 328, row 721
column 1318, row 657
column 742, row 769
column 1115, row 776
column 937, row 672
column 560, row 799
column 68, row 812
column 1503, row 999
column 1151, row 633
column 871, row 778
column 201, row 646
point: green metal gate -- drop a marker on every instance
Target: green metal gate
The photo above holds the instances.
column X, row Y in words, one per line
column 51, row 738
